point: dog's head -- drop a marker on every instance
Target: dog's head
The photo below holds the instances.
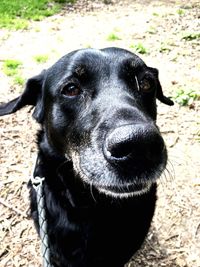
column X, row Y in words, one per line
column 98, row 109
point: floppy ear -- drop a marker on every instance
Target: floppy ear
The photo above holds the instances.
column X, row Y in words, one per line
column 32, row 95
column 161, row 97
column 159, row 93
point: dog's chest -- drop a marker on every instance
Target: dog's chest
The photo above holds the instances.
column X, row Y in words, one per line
column 90, row 237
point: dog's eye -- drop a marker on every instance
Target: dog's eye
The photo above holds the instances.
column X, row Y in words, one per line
column 145, row 85
column 71, row 90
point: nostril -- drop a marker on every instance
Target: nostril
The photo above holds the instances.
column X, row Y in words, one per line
column 138, row 143
column 120, row 149
column 120, row 144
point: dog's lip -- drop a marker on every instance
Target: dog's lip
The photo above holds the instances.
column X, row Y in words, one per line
column 124, row 188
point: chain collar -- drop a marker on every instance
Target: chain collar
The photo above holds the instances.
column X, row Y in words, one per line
column 38, row 185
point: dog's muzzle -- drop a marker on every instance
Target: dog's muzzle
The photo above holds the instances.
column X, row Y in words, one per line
column 132, row 158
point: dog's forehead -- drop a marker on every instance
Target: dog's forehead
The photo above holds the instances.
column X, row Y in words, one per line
column 98, row 59
column 94, row 61
column 91, row 58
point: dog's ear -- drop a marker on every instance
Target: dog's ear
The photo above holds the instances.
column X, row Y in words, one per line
column 159, row 93
column 32, row 95
column 161, row 97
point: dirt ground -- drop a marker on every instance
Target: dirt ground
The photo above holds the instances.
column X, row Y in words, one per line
column 174, row 239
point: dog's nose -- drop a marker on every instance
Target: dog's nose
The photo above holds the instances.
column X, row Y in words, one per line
column 135, row 143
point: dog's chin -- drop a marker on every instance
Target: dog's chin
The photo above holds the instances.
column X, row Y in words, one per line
column 125, row 191
column 107, row 181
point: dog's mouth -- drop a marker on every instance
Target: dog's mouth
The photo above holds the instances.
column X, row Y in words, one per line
column 125, row 190
column 98, row 174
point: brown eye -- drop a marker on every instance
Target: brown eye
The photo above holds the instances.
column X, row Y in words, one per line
column 71, row 90
column 145, row 86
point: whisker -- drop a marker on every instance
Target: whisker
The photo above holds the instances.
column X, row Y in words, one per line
column 137, row 83
column 91, row 192
column 171, row 170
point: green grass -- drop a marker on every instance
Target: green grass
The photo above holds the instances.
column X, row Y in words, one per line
column 152, row 30
column 88, row 46
column 180, row 12
column 155, row 14
column 191, row 36
column 11, row 67
column 139, row 48
column 15, row 14
column 185, row 97
column 19, row 80
column 165, row 48
column 41, row 58
column 113, row 37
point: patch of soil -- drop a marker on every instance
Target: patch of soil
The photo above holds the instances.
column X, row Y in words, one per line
column 174, row 239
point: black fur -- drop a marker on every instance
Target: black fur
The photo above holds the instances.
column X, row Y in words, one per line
column 100, row 152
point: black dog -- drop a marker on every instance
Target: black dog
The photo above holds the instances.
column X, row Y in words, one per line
column 100, row 152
